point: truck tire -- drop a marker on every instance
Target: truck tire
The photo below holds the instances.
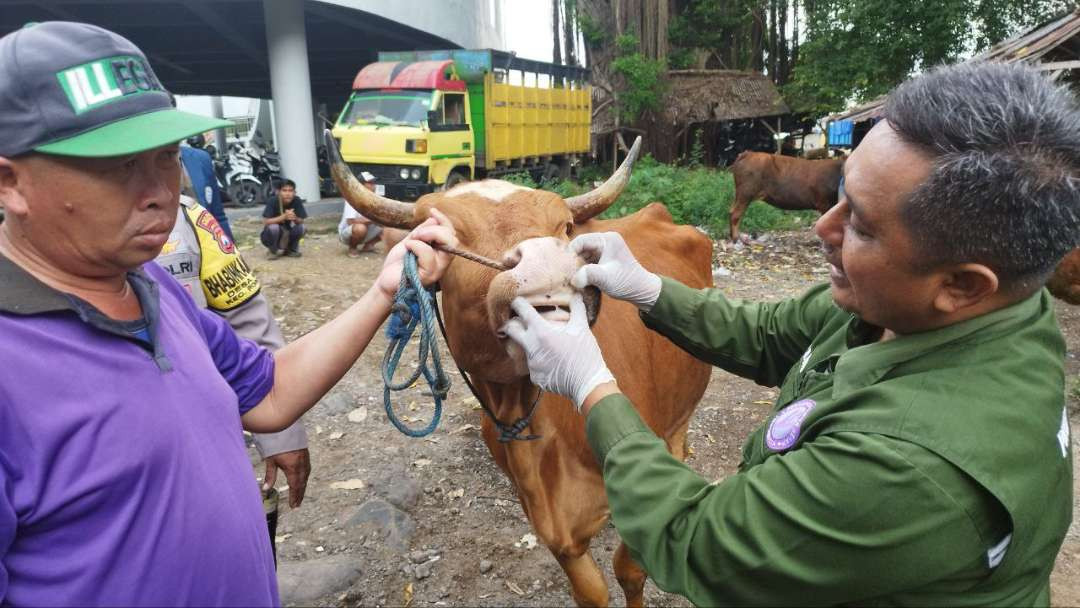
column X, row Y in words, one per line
column 455, row 178
column 564, row 169
column 551, row 173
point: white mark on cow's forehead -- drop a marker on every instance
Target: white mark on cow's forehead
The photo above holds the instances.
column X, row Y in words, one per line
column 494, row 189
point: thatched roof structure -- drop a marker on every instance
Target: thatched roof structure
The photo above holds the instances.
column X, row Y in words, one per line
column 696, row 96
column 1051, row 47
column 719, row 95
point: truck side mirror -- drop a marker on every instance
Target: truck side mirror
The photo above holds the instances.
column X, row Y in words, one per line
column 433, row 117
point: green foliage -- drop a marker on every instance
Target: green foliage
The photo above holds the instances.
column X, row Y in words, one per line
column 694, row 196
column 861, row 49
column 697, row 150
column 714, row 26
column 522, row 179
column 594, row 34
column 644, row 86
column 681, row 59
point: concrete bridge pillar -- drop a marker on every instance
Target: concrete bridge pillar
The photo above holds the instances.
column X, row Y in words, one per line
column 290, row 84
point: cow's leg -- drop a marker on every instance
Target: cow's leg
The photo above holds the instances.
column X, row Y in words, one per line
column 630, row 576
column 738, row 207
column 676, row 444
column 587, row 585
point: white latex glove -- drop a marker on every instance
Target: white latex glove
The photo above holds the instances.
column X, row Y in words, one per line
column 614, row 269
column 564, row 358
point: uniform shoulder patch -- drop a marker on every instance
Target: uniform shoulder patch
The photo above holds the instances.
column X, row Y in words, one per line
column 785, row 428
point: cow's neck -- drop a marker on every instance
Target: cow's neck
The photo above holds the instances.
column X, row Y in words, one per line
column 507, row 401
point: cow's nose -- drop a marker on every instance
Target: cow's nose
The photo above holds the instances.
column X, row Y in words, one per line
column 512, row 258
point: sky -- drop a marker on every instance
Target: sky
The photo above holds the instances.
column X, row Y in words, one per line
column 527, row 26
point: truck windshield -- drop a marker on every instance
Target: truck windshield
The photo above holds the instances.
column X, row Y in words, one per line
column 386, row 108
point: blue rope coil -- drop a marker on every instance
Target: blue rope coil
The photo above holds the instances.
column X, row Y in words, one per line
column 413, row 305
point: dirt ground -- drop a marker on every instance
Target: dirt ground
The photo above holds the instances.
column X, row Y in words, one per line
column 471, row 543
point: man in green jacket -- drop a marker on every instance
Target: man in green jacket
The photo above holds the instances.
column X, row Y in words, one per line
column 919, row 450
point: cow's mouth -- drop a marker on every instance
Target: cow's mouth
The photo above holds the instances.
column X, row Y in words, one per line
column 559, row 311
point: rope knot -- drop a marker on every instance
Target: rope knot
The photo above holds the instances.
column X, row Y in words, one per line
column 403, row 314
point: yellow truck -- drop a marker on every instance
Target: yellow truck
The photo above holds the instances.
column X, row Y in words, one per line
column 418, row 121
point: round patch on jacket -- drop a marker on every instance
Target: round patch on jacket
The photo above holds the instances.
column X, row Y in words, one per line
column 784, row 429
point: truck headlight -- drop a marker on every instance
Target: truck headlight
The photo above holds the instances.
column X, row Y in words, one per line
column 404, row 173
column 415, row 173
column 416, row 146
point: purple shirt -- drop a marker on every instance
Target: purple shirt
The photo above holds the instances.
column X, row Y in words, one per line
column 123, row 475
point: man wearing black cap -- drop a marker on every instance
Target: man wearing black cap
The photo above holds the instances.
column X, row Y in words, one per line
column 123, row 480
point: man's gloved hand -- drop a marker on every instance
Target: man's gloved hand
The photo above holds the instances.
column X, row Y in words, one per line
column 297, row 467
column 614, row 269
column 564, row 358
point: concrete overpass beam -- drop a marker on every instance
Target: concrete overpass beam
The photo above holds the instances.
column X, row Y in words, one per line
column 290, row 84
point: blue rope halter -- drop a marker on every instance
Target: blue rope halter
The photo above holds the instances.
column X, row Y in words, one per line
column 413, row 305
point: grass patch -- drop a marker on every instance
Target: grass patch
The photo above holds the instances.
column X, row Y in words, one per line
column 695, row 196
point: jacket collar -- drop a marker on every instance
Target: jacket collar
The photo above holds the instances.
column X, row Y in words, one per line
column 865, row 365
column 23, row 294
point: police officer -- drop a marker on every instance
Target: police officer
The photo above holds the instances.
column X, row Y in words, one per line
column 918, row 452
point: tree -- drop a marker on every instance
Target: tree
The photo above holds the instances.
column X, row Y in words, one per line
column 856, row 50
column 556, row 33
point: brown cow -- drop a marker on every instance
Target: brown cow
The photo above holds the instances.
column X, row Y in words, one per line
column 1065, row 282
column 556, row 476
column 783, row 182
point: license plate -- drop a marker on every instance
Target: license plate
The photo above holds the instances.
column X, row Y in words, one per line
column 380, row 189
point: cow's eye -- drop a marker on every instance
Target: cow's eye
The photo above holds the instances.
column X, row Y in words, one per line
column 569, row 228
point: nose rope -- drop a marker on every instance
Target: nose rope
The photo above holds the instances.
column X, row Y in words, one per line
column 472, row 257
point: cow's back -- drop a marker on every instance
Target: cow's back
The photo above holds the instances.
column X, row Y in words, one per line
column 785, row 182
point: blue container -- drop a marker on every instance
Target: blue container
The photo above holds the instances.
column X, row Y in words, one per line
column 840, row 133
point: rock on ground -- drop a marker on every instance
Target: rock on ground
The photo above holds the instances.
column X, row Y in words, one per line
column 304, row 582
column 394, row 525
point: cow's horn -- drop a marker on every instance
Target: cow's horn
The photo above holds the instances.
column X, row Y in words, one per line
column 385, row 211
column 585, row 206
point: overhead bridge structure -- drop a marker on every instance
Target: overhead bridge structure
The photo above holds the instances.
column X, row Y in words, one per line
column 299, row 53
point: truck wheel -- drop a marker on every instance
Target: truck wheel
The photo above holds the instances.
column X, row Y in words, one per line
column 551, row 173
column 564, row 169
column 454, row 179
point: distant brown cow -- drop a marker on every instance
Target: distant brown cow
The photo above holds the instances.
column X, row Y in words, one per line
column 783, row 182
column 1065, row 282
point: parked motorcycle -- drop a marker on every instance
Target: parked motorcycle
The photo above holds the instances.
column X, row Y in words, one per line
column 243, row 186
column 267, row 169
column 327, row 185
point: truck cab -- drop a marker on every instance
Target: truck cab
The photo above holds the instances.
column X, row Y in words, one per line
column 422, row 120
column 408, row 125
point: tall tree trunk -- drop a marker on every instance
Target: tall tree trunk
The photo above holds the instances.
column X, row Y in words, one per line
column 773, row 64
column 795, row 35
column 556, row 31
column 757, row 33
column 782, row 43
column 662, row 18
column 570, row 36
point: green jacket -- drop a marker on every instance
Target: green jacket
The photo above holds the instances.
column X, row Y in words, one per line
column 932, row 469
